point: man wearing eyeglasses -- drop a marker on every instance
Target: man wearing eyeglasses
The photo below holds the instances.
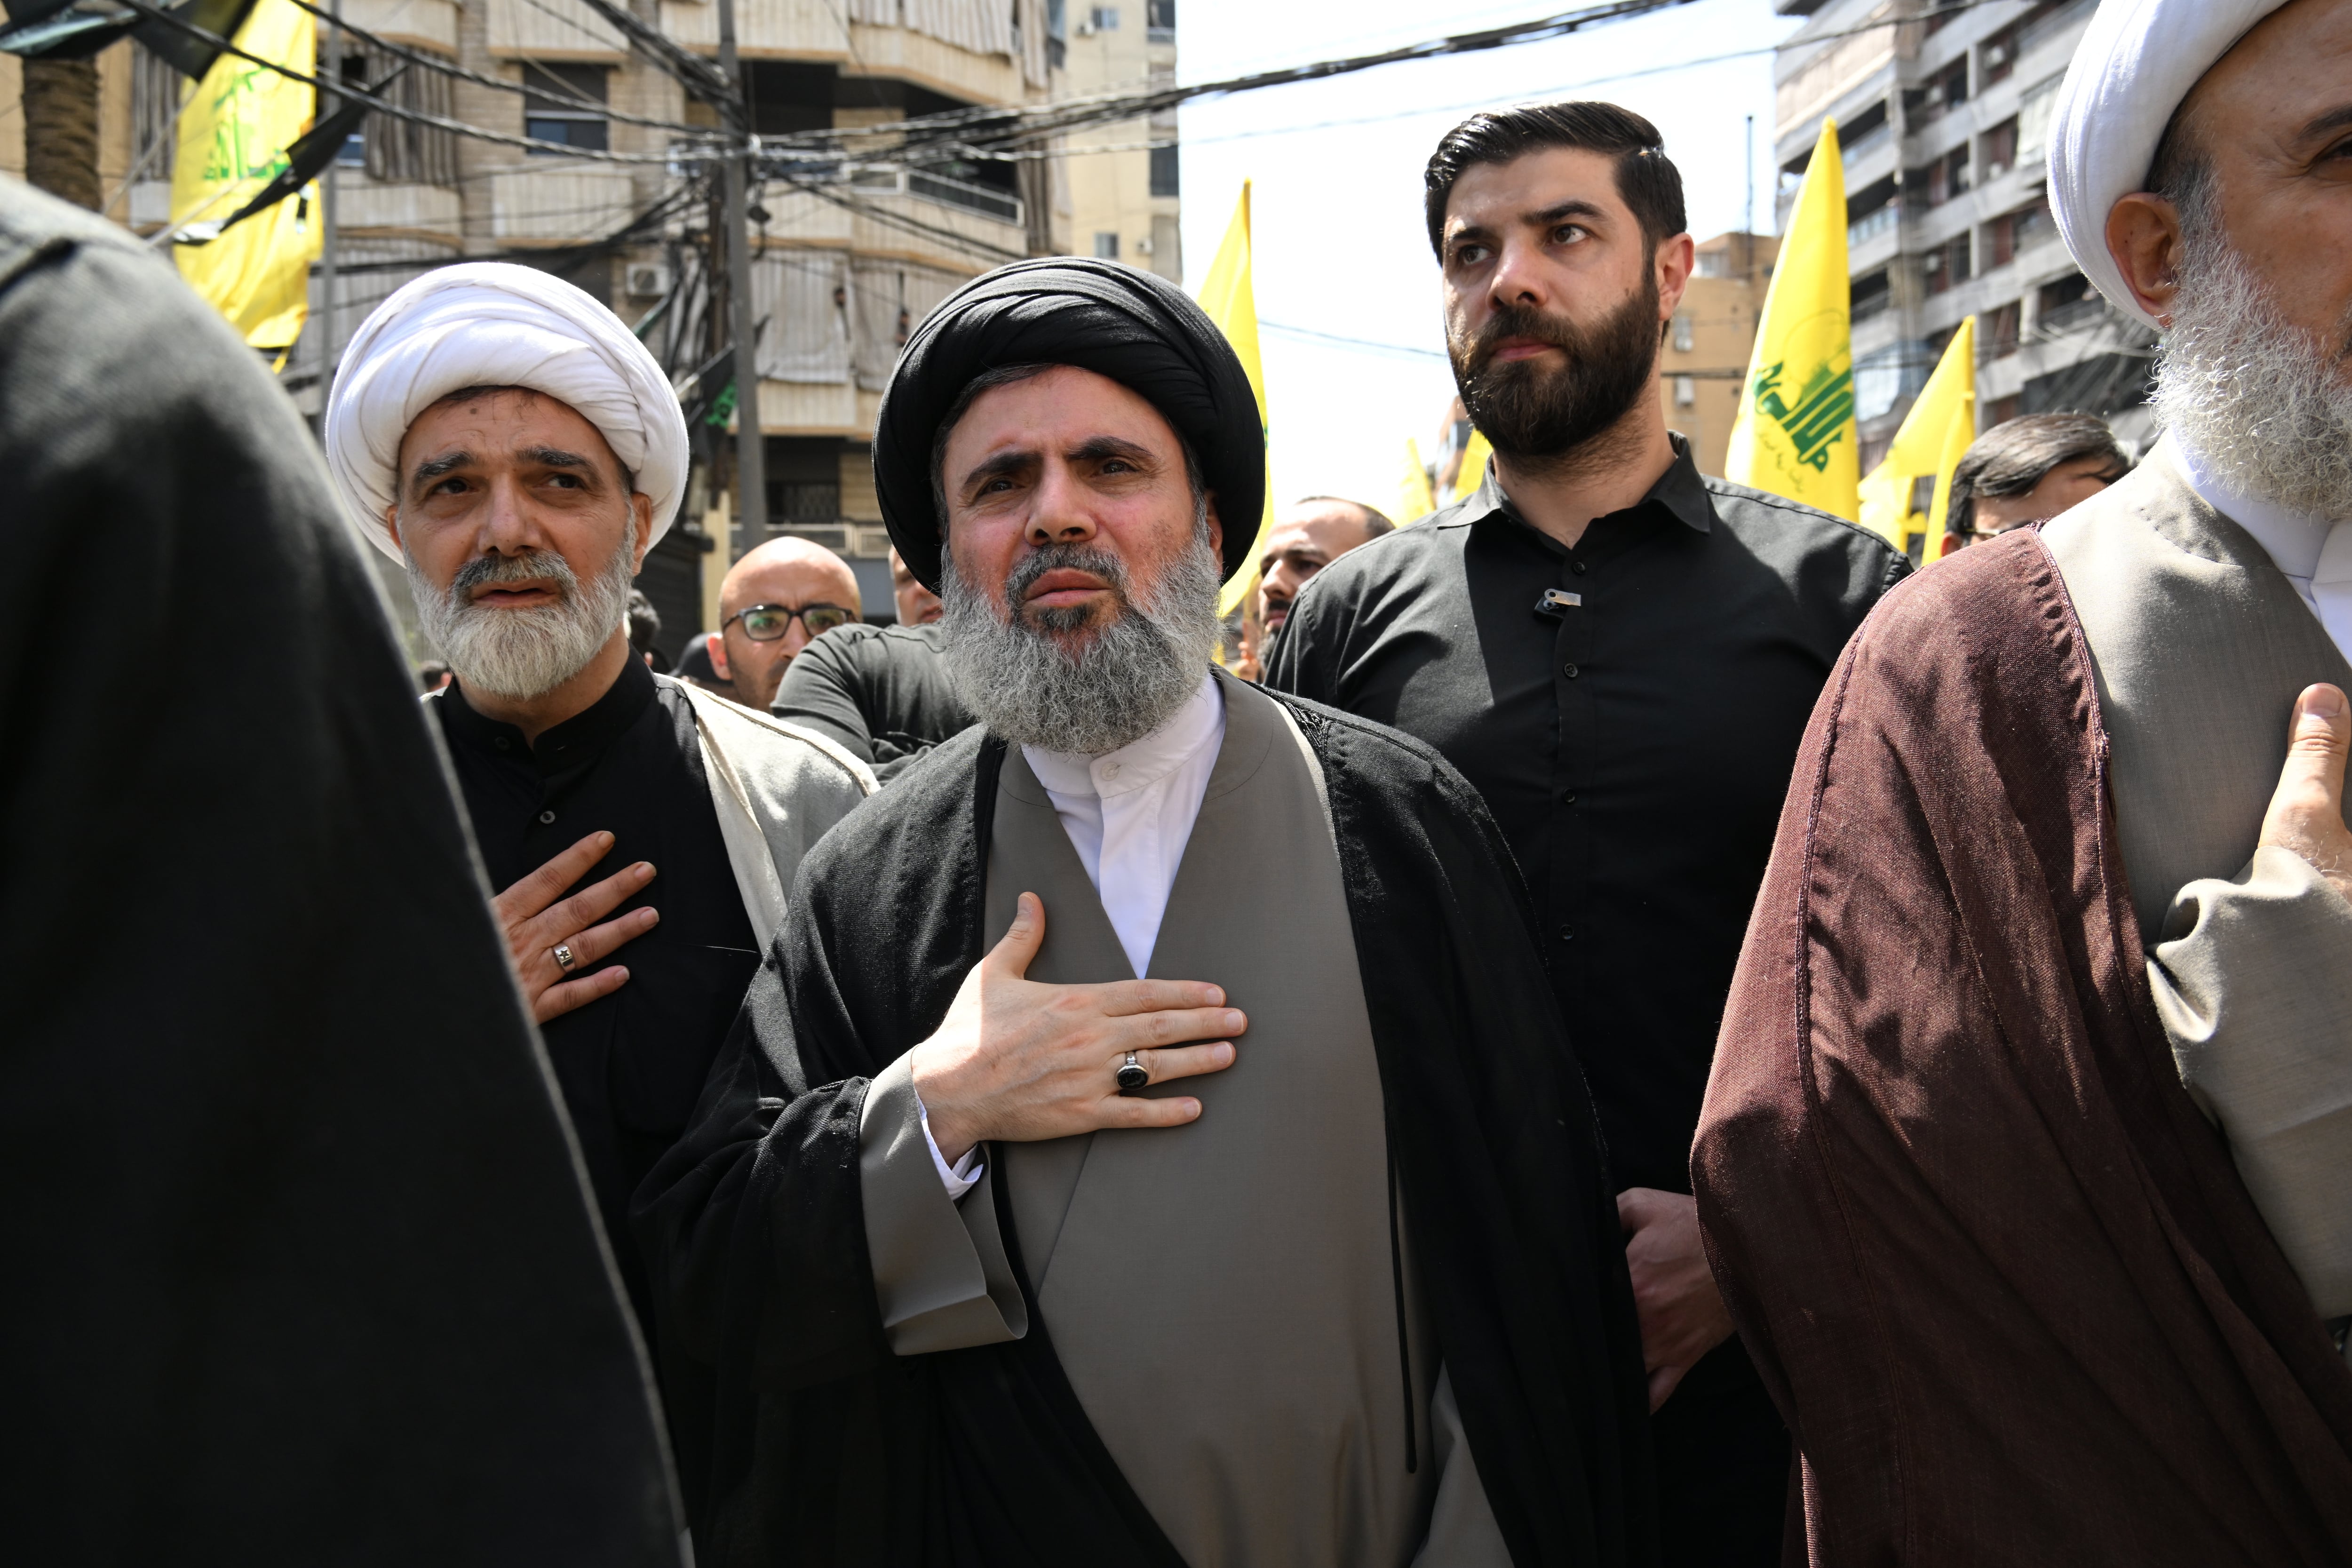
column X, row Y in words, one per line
column 777, row 600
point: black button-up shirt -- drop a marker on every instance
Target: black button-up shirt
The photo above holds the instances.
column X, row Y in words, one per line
column 1631, row 710
column 632, row 1064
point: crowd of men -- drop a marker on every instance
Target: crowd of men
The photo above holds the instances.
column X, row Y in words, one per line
column 1636, row 1027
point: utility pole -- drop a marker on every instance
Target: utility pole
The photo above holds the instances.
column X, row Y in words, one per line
column 1748, row 228
column 750, row 453
column 330, row 240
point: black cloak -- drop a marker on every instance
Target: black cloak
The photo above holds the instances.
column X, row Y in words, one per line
column 1134, row 327
column 301, row 1264
column 832, row 1450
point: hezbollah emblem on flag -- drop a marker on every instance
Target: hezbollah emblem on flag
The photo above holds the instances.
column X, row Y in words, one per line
column 1795, row 435
column 1813, row 414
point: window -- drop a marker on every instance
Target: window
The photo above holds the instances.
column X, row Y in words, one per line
column 1684, row 337
column 2066, row 302
column 353, row 154
column 1164, row 171
column 1103, row 18
column 2000, row 242
column 1997, row 149
column 1686, row 392
column 1948, row 264
column 2033, row 118
column 1872, row 295
column 401, row 151
column 2000, row 331
column 1714, row 263
column 552, row 109
column 1996, row 58
column 1159, row 20
column 1057, row 35
column 1107, row 246
column 2031, row 227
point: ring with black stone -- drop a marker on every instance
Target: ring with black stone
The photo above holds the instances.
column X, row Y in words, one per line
column 1133, row 1074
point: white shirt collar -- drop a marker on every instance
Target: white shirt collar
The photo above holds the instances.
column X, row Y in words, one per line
column 1139, row 763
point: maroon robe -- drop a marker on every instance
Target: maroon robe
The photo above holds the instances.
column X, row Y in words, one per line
column 1999, row 1274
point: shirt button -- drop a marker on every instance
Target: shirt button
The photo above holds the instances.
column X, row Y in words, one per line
column 1568, row 934
column 1110, row 769
column 1577, row 567
column 504, row 743
column 1568, row 798
column 1568, row 670
column 546, row 816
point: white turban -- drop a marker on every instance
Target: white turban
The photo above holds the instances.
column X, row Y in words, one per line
column 2136, row 62
column 492, row 323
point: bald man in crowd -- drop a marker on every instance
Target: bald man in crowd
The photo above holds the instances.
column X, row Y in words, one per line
column 1308, row 536
column 781, row 596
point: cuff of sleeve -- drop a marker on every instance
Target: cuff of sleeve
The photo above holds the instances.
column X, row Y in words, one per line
column 964, row 1175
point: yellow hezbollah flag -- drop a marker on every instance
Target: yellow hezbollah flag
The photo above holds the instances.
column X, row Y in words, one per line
column 1476, row 453
column 1414, row 500
column 1794, row 435
column 1946, row 408
column 234, row 133
column 1226, row 295
column 1958, row 435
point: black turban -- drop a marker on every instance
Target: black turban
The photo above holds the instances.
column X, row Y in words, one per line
column 1135, row 328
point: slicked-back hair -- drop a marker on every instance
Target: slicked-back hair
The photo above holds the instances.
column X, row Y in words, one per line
column 2016, row 455
column 1648, row 180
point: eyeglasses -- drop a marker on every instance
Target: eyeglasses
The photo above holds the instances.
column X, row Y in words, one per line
column 766, row 623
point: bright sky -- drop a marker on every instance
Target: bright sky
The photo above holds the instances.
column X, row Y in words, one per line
column 1337, row 204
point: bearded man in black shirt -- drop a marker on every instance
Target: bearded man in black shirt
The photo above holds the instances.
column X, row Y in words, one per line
column 1621, row 655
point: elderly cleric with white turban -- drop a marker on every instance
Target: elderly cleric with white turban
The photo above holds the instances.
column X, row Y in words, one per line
column 2053, row 968
column 505, row 436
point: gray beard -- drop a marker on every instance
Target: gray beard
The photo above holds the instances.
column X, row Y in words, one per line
column 1126, row 680
column 520, row 654
column 2263, row 403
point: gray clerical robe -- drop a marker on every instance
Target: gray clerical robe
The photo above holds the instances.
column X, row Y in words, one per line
column 2201, row 646
column 1230, row 1300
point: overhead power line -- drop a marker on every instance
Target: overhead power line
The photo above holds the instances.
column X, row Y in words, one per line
column 417, row 116
column 1012, row 126
column 552, row 92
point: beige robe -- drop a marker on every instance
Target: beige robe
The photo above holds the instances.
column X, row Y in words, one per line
column 2201, row 646
column 1224, row 1297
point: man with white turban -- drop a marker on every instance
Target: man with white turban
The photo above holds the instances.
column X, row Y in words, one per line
column 2025, row 1159
column 506, row 438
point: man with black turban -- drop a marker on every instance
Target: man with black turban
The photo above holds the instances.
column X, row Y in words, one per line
column 1047, row 1205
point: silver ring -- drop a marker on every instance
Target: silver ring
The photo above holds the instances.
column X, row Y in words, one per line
column 564, row 959
column 1133, row 1074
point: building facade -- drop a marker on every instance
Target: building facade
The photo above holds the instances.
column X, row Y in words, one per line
column 1121, row 183
column 1942, row 124
column 852, row 244
column 1704, row 358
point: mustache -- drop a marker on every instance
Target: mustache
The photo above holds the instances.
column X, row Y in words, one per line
column 1066, row 558
column 531, row 565
column 1519, row 321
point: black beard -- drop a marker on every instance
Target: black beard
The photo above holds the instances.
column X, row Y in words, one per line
column 1541, row 416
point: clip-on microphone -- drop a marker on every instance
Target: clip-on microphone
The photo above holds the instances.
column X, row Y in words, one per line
column 1557, row 601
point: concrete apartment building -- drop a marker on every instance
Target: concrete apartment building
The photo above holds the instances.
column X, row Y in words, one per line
column 850, row 251
column 1705, row 359
column 1121, row 179
column 1942, row 124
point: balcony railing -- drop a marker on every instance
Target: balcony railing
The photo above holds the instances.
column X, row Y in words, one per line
column 875, row 179
column 1873, row 224
column 2077, row 314
column 1869, row 142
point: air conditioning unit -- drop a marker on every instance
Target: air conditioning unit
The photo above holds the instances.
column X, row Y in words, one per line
column 1996, row 55
column 648, row 279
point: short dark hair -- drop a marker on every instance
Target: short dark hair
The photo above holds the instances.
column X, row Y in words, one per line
column 1376, row 522
column 2013, row 457
column 1648, row 180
